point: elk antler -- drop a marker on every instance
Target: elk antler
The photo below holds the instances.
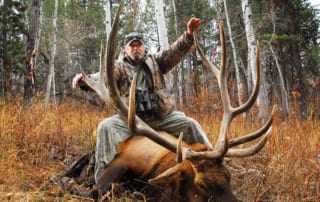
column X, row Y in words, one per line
column 132, row 123
column 222, row 145
column 106, row 88
column 99, row 86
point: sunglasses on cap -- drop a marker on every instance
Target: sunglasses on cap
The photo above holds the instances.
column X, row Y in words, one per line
column 133, row 37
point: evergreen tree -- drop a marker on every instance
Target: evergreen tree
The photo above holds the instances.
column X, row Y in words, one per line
column 12, row 55
column 296, row 36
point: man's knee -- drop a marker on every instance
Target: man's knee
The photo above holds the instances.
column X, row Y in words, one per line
column 105, row 126
column 194, row 132
column 105, row 123
column 191, row 123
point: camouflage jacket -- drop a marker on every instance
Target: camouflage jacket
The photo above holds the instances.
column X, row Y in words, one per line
column 159, row 64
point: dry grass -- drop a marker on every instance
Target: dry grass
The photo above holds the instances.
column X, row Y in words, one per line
column 36, row 145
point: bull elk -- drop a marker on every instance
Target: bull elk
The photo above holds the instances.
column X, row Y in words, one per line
column 187, row 172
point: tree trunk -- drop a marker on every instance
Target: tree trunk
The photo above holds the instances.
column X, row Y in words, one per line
column 240, row 86
column 32, row 49
column 180, row 72
column 163, row 35
column 262, row 101
column 136, row 11
column 161, row 23
column 107, row 6
column 52, row 58
column 283, row 91
column 299, row 85
column 5, row 62
column 188, row 81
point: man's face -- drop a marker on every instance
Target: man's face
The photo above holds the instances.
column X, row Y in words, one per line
column 135, row 50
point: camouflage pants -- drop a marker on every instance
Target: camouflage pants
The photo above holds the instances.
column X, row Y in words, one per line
column 112, row 131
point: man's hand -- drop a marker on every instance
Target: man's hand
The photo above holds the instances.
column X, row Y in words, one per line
column 76, row 80
column 193, row 25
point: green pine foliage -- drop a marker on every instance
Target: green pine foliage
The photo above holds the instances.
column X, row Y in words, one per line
column 12, row 49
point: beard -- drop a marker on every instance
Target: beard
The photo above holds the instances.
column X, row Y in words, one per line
column 136, row 57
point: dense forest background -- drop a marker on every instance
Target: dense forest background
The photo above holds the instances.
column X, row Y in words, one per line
column 288, row 32
column 45, row 125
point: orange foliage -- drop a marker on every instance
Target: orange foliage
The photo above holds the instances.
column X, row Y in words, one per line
column 36, row 145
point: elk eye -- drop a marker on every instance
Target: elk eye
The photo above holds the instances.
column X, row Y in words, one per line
column 202, row 186
column 211, row 198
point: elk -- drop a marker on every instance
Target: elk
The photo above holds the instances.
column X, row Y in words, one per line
column 187, row 172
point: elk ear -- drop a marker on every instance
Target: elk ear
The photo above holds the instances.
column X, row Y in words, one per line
column 173, row 174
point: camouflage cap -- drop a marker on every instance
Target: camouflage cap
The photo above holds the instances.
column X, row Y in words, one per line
column 133, row 36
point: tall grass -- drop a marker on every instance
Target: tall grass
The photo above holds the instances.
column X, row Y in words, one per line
column 34, row 145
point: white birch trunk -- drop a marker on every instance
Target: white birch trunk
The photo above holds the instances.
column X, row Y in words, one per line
column 284, row 95
column 68, row 70
column 163, row 35
column 251, row 41
column 161, row 23
column 38, row 35
column 179, row 72
column 136, row 10
column 108, row 17
column 52, row 58
column 240, row 87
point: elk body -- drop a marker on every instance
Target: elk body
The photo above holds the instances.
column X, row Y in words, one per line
column 196, row 180
column 187, row 172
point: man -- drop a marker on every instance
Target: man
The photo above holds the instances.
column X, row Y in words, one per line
column 154, row 103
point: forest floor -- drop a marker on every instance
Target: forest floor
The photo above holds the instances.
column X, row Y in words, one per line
column 35, row 145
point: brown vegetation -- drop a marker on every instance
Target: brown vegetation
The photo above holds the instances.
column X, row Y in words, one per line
column 36, row 145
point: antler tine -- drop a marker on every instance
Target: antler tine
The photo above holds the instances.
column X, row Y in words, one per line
column 179, row 152
column 266, row 129
column 251, row 150
column 99, row 85
column 254, row 94
column 132, row 104
column 254, row 135
column 102, row 67
column 117, row 102
column 205, row 61
column 138, row 126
